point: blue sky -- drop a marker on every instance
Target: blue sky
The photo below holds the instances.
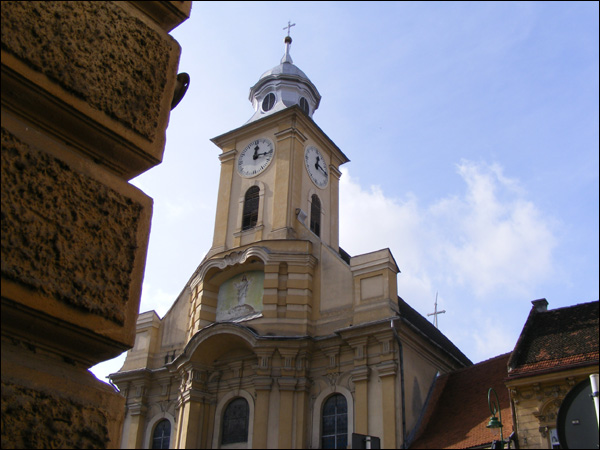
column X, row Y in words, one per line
column 472, row 134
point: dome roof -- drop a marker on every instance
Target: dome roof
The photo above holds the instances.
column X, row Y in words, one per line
column 283, row 86
column 285, row 68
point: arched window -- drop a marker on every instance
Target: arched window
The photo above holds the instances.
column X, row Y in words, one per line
column 315, row 215
column 235, row 422
column 162, row 434
column 250, row 213
column 335, row 422
column 304, row 105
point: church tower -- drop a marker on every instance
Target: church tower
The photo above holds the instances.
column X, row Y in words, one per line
column 280, row 339
column 277, row 210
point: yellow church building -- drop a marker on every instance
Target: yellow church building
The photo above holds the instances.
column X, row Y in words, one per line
column 280, row 339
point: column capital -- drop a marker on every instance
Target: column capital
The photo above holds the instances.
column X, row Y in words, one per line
column 195, row 396
column 287, row 383
column 262, row 383
column 360, row 373
column 387, row 368
column 137, row 409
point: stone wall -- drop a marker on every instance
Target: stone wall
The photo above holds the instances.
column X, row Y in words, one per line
column 86, row 95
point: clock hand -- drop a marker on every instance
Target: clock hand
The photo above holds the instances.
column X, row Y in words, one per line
column 264, row 153
column 318, row 167
column 256, row 149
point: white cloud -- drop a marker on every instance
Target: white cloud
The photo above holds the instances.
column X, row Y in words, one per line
column 370, row 221
column 488, row 337
column 156, row 299
column 486, row 239
column 495, row 238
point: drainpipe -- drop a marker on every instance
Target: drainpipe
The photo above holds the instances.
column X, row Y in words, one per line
column 400, row 355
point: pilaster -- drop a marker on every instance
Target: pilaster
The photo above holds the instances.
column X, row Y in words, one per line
column 137, row 421
column 287, row 386
column 262, row 385
column 227, row 159
column 387, row 375
column 301, row 422
column 334, row 200
column 195, row 404
column 360, row 377
column 282, row 190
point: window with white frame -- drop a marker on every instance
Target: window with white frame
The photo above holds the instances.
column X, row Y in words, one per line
column 334, row 426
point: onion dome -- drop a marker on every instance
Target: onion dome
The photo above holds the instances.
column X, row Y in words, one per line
column 283, row 86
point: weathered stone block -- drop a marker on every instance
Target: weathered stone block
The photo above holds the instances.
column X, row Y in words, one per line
column 74, row 238
column 100, row 73
column 48, row 403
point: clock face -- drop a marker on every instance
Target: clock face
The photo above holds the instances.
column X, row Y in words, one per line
column 316, row 166
column 255, row 158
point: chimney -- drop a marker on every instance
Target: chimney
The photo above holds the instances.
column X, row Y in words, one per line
column 540, row 305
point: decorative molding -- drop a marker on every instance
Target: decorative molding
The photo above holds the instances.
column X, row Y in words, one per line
column 386, row 369
column 332, row 378
column 227, row 156
column 360, row 373
column 231, row 259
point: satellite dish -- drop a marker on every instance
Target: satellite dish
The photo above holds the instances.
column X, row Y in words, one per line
column 576, row 424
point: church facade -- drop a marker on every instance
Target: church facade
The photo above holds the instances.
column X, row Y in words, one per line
column 280, row 339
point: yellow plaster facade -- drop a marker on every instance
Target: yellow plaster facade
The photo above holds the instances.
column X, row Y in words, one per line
column 277, row 317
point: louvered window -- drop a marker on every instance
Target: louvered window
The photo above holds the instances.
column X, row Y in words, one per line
column 304, row 105
column 250, row 214
column 315, row 215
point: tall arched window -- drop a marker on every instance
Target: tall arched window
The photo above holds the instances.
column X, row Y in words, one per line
column 235, row 422
column 315, row 215
column 250, row 213
column 335, row 422
column 162, row 434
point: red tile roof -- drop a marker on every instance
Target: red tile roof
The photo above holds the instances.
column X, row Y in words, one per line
column 458, row 411
column 558, row 339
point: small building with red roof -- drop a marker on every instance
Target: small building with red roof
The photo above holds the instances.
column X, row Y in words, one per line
column 556, row 352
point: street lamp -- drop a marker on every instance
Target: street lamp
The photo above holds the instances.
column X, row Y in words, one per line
column 494, row 421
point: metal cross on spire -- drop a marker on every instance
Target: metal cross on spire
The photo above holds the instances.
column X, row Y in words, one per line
column 288, row 40
column 289, row 25
column 436, row 312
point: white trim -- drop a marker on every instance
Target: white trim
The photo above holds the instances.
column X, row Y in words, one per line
column 220, row 409
column 317, row 412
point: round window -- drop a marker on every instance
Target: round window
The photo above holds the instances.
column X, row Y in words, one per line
column 304, row 105
column 268, row 102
